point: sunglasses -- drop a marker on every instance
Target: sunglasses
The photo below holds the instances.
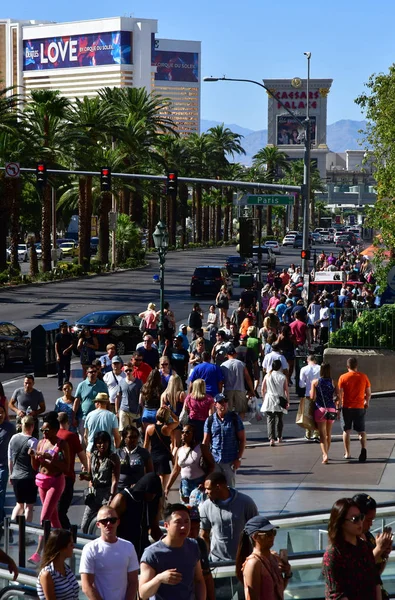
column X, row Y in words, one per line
column 111, row 520
column 91, row 372
column 165, row 364
column 356, row 519
column 44, row 430
column 128, row 370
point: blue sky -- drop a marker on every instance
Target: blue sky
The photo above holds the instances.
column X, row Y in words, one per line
column 256, row 39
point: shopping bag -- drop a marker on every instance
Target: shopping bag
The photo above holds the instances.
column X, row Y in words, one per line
column 305, row 414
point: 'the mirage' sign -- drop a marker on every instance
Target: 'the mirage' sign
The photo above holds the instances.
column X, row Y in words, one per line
column 90, row 50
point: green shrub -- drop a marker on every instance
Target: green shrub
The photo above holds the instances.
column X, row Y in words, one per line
column 373, row 329
column 4, row 277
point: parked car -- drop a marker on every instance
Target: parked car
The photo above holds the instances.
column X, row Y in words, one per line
column 275, row 246
column 208, row 279
column 119, row 327
column 69, row 249
column 14, row 344
column 23, row 252
column 342, row 240
column 289, row 239
column 268, row 257
column 238, row 264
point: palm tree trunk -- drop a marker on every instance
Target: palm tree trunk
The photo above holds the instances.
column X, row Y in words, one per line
column 33, row 262
column 183, row 197
column 81, row 219
column 218, row 224
column 13, row 192
column 269, row 220
column 136, row 207
column 104, row 229
column 88, row 221
column 46, row 199
column 151, row 218
column 206, row 222
column 198, row 213
column 229, row 199
column 124, row 201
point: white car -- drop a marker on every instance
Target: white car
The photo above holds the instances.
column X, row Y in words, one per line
column 289, row 239
column 275, row 246
column 23, row 252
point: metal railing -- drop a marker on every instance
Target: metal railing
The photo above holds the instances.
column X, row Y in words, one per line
column 361, row 327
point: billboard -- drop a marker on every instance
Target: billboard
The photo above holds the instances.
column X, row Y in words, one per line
column 91, row 50
column 176, row 66
column 291, row 133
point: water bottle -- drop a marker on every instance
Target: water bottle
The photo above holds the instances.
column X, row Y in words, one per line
column 29, row 410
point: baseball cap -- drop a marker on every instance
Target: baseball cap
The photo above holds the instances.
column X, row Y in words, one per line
column 258, row 523
column 194, row 514
column 229, row 348
column 116, row 359
column 220, row 398
column 181, row 327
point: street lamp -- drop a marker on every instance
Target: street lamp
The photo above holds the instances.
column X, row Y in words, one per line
column 161, row 242
column 307, row 145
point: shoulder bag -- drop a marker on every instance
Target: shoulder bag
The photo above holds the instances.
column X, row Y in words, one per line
column 328, row 414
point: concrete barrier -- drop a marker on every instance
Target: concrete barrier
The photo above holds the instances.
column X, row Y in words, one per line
column 379, row 365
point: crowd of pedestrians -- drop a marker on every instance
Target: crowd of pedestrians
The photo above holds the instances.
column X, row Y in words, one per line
column 175, row 409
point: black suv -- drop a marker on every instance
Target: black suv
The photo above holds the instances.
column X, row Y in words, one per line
column 238, row 264
column 209, row 279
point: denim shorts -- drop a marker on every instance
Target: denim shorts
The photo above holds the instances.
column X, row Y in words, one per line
column 149, row 415
column 188, row 485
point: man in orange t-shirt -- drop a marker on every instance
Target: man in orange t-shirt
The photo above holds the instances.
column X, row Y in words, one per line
column 355, row 394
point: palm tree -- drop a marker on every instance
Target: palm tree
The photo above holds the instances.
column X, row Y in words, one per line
column 45, row 129
column 91, row 120
column 295, row 176
column 274, row 161
column 199, row 149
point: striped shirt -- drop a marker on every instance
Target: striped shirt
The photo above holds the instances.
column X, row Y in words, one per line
column 66, row 587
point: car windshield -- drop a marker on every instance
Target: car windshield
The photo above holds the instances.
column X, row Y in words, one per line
column 21, row 246
column 67, row 245
column 207, row 272
column 97, row 319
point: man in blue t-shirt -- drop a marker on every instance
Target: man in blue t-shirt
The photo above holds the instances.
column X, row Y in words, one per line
column 211, row 375
column 171, row 568
column 281, row 308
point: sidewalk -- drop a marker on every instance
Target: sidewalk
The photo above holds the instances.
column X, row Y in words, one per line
column 281, row 479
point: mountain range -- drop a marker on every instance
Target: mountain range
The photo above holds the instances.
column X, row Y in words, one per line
column 341, row 136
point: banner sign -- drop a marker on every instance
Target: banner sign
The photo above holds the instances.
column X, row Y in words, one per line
column 176, row 66
column 291, row 133
column 92, row 50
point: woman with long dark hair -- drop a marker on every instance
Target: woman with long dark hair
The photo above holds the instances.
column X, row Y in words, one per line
column 325, row 395
column 150, row 397
column 348, row 565
column 56, row 581
column 135, row 461
column 188, row 462
column 264, row 574
column 103, row 477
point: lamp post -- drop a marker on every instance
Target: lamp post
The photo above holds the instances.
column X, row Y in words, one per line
column 161, row 242
column 307, row 145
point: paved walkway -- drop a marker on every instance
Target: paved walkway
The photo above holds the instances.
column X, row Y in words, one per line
column 281, row 479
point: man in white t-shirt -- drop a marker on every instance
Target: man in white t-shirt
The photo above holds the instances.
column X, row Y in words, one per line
column 112, row 380
column 271, row 357
column 109, row 565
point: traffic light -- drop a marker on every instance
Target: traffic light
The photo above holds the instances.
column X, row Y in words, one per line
column 41, row 174
column 105, row 179
column 172, row 183
column 245, row 237
column 305, row 254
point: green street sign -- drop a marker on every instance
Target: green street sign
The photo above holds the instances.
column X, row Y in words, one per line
column 269, row 200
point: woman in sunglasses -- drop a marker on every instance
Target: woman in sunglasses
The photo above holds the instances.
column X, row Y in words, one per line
column 51, row 460
column 348, row 565
column 263, row 573
column 165, row 370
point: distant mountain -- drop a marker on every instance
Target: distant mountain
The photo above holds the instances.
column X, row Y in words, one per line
column 341, row 136
column 344, row 135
